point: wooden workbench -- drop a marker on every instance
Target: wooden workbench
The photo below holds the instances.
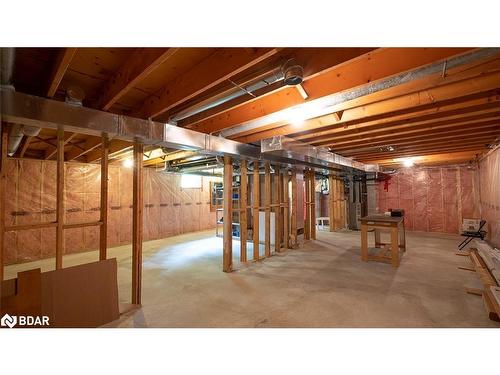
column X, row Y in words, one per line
column 396, row 226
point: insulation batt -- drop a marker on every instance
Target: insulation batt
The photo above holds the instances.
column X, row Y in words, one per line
column 31, row 190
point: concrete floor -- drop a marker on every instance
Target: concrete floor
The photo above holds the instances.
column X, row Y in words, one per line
column 322, row 284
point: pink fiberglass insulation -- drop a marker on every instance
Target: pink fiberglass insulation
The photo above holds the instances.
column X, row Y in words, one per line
column 489, row 181
column 31, row 192
column 435, row 199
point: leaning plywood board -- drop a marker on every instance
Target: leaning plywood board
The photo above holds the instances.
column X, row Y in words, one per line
column 81, row 296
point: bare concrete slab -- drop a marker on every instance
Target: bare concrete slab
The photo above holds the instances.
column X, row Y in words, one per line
column 322, row 284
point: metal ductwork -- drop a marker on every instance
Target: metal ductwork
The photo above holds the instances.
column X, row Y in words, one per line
column 17, row 132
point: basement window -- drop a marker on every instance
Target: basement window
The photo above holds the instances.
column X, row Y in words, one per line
column 190, row 181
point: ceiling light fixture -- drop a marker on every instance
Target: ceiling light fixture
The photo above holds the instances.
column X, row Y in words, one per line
column 408, row 162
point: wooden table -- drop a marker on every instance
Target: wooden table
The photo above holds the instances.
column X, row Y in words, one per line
column 396, row 225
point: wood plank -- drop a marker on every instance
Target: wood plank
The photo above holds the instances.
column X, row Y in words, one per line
column 312, row 199
column 90, row 144
column 103, row 230
column 51, row 152
column 3, row 160
column 244, row 211
column 227, row 262
column 267, row 205
column 331, row 202
column 142, row 63
column 307, row 222
column 256, row 204
column 137, row 224
column 372, row 66
column 364, row 242
column 277, row 192
column 286, row 211
column 50, row 224
column 223, row 64
column 62, row 63
column 83, row 225
column 293, row 218
column 60, row 204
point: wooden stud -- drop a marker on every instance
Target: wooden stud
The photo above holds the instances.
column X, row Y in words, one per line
column 244, row 211
column 364, row 242
column 278, row 191
column 394, row 246
column 256, row 204
column 227, row 261
column 137, row 227
column 286, row 211
column 307, row 222
column 60, row 211
column 267, row 204
column 293, row 219
column 3, row 167
column 331, row 202
column 313, row 205
column 103, row 230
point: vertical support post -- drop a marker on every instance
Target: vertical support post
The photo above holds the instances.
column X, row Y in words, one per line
column 256, row 204
column 342, row 204
column 60, row 198
column 331, row 202
column 244, row 211
column 364, row 242
column 227, row 258
column 394, row 245
column 293, row 219
column 103, row 230
column 138, row 207
column 267, row 204
column 307, row 223
column 313, row 206
column 286, row 211
column 3, row 167
column 278, row 191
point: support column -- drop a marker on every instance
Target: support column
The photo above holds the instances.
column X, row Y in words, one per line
column 103, row 230
column 278, row 192
column 313, row 206
column 286, row 211
column 3, row 167
column 137, row 217
column 331, row 202
column 227, row 258
column 244, row 211
column 60, row 210
column 267, row 204
column 256, row 204
column 293, row 219
column 307, row 222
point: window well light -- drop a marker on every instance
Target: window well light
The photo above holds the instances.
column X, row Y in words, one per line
column 128, row 163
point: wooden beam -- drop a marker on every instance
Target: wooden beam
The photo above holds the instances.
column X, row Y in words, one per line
column 62, row 62
column 115, row 146
column 267, row 207
column 25, row 146
column 137, row 225
column 90, row 144
column 244, row 211
column 142, row 63
column 421, row 153
column 377, row 104
column 227, row 261
column 60, row 204
column 369, row 67
column 218, row 67
column 103, row 230
column 277, row 192
column 51, row 152
column 3, row 180
column 459, row 156
column 255, row 212
column 293, row 219
column 307, row 222
column 312, row 199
